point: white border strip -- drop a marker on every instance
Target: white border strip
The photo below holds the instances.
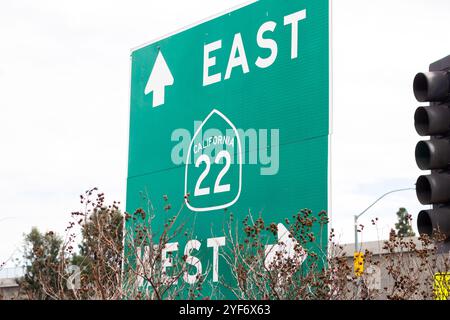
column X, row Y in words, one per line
column 190, row 26
column 330, row 116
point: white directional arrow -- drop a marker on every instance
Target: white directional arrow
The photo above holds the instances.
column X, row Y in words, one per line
column 287, row 249
column 159, row 79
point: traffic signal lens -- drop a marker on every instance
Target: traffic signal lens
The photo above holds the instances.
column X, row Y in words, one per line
column 431, row 86
column 422, row 121
column 434, row 220
column 433, row 188
column 424, row 224
column 423, row 190
column 432, row 120
column 433, row 154
column 423, row 155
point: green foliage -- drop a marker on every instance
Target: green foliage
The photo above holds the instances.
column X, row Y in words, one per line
column 403, row 226
column 42, row 256
column 100, row 250
column 47, row 257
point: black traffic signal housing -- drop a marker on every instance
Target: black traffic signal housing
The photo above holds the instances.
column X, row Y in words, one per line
column 434, row 154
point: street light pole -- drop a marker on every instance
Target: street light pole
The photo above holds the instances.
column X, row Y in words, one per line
column 365, row 210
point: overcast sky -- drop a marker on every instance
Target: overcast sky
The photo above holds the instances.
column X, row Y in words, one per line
column 64, row 102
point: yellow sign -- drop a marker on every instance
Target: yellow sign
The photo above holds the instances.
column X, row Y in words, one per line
column 442, row 286
column 358, row 263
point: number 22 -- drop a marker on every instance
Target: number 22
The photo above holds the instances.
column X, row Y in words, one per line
column 218, row 188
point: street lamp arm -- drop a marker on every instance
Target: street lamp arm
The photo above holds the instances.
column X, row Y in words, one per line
column 365, row 210
column 381, row 197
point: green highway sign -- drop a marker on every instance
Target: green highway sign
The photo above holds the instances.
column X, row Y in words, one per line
column 231, row 116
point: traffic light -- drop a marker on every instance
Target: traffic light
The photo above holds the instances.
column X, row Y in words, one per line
column 434, row 154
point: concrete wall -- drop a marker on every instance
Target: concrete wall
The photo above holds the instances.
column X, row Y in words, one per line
column 9, row 289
